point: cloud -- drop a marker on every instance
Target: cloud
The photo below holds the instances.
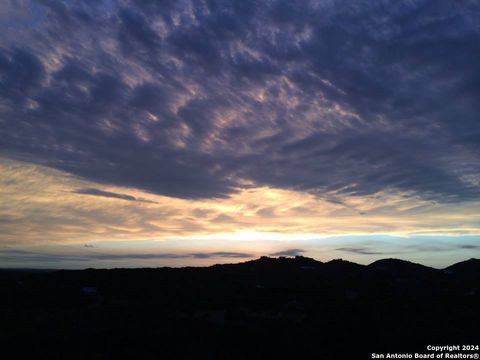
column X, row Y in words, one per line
column 222, row 255
column 39, row 206
column 424, row 245
column 288, row 252
column 22, row 255
column 360, row 250
column 108, row 194
column 191, row 99
column 469, row 246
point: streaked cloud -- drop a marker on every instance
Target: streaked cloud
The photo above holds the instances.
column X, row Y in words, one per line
column 437, row 251
column 109, row 194
column 288, row 252
column 360, row 250
column 51, row 257
column 41, row 205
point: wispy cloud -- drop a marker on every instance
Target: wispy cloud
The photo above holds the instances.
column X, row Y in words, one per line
column 360, row 250
column 288, row 252
column 469, row 246
column 109, row 194
column 52, row 257
column 36, row 207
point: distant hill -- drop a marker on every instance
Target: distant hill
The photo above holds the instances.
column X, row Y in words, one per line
column 280, row 262
column 343, row 265
column 402, row 267
column 470, row 266
column 393, row 263
column 287, row 307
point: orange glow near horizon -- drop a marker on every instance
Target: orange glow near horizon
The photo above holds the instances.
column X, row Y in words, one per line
column 41, row 206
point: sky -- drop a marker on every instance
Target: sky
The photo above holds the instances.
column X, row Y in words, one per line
column 173, row 133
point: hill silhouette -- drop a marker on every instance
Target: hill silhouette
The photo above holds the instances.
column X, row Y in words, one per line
column 467, row 267
column 266, row 308
column 401, row 266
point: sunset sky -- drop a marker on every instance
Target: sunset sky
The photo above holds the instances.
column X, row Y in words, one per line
column 171, row 133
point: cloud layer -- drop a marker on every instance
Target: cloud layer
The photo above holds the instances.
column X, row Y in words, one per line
column 201, row 99
column 22, row 255
column 437, row 251
column 41, row 205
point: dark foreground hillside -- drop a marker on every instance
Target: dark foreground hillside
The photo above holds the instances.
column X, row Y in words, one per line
column 295, row 308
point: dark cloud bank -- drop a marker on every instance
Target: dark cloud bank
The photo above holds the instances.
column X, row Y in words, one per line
column 109, row 194
column 187, row 98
